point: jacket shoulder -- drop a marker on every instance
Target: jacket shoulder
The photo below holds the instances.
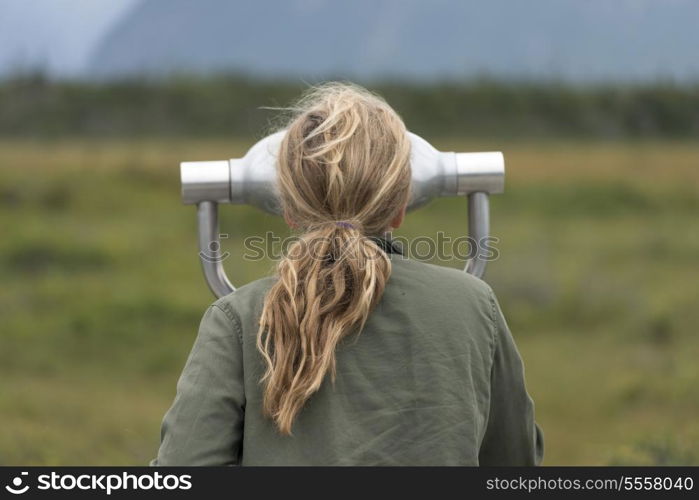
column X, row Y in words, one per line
column 442, row 278
column 245, row 302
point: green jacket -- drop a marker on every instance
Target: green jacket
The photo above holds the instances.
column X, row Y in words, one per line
column 434, row 378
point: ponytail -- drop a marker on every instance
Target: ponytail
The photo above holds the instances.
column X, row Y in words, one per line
column 328, row 283
column 343, row 174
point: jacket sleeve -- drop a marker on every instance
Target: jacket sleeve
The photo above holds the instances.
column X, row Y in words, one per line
column 512, row 437
column 204, row 425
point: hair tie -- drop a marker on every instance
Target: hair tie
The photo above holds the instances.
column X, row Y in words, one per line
column 345, row 224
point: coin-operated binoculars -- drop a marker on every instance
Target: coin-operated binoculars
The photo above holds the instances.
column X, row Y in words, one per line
column 251, row 180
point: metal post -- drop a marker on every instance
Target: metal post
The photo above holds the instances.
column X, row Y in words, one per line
column 478, row 230
column 210, row 249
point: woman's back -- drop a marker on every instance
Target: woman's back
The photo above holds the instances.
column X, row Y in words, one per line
column 351, row 354
column 433, row 379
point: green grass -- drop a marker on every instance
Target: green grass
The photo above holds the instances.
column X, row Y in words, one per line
column 102, row 292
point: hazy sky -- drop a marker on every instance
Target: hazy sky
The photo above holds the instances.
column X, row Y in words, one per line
column 56, row 34
column 576, row 39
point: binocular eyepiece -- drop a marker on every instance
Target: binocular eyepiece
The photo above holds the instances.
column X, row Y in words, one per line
column 251, row 180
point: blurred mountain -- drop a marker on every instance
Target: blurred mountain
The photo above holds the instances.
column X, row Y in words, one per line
column 419, row 39
column 55, row 37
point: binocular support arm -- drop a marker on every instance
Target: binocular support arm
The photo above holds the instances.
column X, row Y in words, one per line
column 478, row 231
column 210, row 249
column 212, row 258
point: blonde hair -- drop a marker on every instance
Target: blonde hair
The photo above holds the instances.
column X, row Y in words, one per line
column 343, row 174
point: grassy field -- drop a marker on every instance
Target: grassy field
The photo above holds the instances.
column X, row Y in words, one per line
column 102, row 293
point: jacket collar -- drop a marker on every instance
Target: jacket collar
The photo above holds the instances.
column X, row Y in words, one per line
column 386, row 244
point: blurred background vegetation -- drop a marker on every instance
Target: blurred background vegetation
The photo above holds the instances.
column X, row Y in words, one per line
column 192, row 106
column 102, row 291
